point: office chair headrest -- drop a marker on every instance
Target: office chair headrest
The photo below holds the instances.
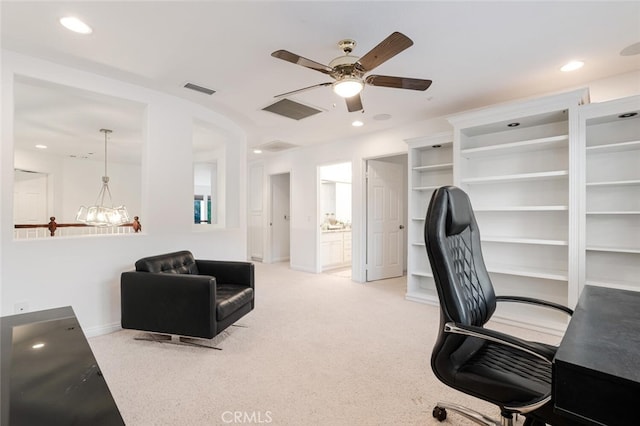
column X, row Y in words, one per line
column 459, row 212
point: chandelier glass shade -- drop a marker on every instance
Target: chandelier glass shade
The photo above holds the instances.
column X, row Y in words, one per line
column 348, row 87
column 101, row 214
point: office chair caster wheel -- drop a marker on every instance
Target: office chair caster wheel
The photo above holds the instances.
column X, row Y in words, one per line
column 439, row 413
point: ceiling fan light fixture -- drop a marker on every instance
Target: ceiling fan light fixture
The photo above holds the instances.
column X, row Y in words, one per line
column 348, row 87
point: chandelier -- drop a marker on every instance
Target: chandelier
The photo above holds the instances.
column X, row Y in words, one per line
column 100, row 214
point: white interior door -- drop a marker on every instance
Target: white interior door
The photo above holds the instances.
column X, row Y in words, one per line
column 385, row 230
column 256, row 213
column 280, row 217
column 30, row 198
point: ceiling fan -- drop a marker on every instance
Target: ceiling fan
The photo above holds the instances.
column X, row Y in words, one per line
column 349, row 71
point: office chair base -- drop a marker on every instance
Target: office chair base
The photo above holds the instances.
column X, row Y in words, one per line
column 440, row 413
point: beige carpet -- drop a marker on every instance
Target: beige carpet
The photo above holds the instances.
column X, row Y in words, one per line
column 318, row 350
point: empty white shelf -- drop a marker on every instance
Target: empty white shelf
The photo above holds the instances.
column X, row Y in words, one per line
column 621, row 285
column 426, row 188
column 520, row 146
column 528, row 272
column 614, row 249
column 614, row 213
column 426, row 274
column 615, row 183
column 614, row 147
column 518, row 177
column 433, row 167
column 522, row 209
column 536, row 241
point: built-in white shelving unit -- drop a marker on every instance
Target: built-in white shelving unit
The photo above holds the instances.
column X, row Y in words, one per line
column 611, row 225
column 555, row 186
column 516, row 162
column 430, row 167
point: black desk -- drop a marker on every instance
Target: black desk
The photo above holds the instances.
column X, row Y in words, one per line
column 596, row 371
column 48, row 374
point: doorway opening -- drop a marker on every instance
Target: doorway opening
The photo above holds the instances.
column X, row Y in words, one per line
column 280, row 218
column 386, row 195
column 335, row 218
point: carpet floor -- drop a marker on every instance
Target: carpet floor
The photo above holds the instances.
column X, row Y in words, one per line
column 318, row 349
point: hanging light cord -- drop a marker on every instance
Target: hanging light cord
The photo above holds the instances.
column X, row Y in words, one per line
column 105, row 179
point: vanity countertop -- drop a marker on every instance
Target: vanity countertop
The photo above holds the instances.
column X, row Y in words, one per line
column 328, row 231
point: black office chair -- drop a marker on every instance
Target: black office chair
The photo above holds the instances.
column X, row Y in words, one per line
column 509, row 372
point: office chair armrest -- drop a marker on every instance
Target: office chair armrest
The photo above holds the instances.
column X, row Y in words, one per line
column 532, row 301
column 504, row 339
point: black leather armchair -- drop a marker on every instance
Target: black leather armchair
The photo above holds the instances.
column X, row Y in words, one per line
column 176, row 294
column 507, row 371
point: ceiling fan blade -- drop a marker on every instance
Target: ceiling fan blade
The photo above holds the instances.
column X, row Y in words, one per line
column 299, row 60
column 303, row 89
column 354, row 103
column 398, row 82
column 387, row 49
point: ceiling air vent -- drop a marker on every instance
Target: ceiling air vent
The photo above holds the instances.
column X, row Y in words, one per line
column 199, row 89
column 290, row 109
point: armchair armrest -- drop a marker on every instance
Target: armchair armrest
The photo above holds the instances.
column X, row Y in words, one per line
column 532, row 301
column 228, row 272
column 504, row 339
column 180, row 304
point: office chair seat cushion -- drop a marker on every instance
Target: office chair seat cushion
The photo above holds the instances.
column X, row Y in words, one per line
column 508, row 375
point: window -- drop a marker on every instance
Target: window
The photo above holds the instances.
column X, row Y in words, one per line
column 208, row 175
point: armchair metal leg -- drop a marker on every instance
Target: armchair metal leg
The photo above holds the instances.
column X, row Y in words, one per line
column 175, row 340
column 439, row 412
column 192, row 341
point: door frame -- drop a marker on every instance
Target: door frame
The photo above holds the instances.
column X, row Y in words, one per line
column 364, row 212
column 319, row 219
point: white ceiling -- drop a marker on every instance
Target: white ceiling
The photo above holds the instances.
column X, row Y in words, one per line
column 476, row 53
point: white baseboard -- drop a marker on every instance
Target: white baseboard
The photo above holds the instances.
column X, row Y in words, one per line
column 101, row 329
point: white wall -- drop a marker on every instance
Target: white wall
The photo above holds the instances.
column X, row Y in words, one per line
column 84, row 272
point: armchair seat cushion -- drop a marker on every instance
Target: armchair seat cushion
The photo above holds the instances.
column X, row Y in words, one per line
column 230, row 298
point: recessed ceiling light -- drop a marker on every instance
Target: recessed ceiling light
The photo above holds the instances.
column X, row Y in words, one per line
column 257, row 151
column 628, row 115
column 38, row 346
column 381, row 117
column 76, row 25
column 39, row 146
column 514, row 124
column 357, row 123
column 572, row 66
